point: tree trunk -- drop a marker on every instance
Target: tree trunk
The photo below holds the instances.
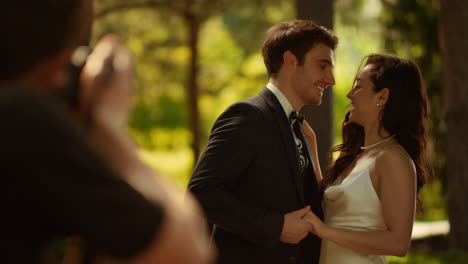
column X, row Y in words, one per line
column 320, row 118
column 454, row 43
column 193, row 25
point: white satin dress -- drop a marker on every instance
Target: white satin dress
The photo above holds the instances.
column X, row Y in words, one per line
column 353, row 205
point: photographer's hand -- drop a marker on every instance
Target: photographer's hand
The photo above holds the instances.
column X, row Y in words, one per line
column 105, row 99
column 107, row 83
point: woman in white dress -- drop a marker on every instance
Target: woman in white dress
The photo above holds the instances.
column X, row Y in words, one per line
column 370, row 192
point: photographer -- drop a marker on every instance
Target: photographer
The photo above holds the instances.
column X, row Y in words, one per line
column 68, row 175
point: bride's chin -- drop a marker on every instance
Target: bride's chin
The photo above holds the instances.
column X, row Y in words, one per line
column 354, row 121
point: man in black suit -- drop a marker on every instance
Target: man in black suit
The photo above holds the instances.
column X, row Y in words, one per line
column 256, row 180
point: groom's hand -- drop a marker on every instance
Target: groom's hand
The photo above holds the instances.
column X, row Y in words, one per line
column 295, row 228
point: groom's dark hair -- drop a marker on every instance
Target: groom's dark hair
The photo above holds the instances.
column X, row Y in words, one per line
column 299, row 37
column 35, row 30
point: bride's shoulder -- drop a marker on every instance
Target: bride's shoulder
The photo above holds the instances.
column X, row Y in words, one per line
column 394, row 158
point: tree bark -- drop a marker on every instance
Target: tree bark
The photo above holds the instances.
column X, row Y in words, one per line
column 454, row 44
column 320, row 117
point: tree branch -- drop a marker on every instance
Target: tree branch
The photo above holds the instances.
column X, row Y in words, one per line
column 133, row 5
column 203, row 12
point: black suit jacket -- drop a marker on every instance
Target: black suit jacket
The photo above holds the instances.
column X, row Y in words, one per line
column 247, row 178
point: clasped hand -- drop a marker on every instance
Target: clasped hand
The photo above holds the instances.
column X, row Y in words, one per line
column 298, row 224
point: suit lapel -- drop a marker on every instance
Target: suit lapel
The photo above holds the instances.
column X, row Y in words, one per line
column 288, row 139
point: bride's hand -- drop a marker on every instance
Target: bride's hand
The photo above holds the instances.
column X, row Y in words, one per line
column 316, row 223
column 308, row 131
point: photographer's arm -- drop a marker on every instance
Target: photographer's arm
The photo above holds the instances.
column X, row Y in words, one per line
column 106, row 103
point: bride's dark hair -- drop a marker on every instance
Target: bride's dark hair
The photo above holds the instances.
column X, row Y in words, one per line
column 404, row 114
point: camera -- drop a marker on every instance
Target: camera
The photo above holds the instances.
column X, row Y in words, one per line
column 69, row 93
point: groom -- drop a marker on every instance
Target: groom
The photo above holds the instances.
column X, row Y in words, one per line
column 255, row 180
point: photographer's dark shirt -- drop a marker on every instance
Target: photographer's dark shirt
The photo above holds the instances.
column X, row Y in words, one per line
column 54, row 185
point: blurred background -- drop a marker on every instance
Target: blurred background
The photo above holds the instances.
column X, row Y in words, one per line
column 196, row 57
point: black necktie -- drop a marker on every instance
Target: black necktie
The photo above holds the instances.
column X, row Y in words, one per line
column 296, row 120
column 308, row 176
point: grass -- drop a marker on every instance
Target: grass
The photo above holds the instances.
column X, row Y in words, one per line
column 445, row 257
column 175, row 165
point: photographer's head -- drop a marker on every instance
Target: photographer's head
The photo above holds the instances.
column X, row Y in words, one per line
column 39, row 37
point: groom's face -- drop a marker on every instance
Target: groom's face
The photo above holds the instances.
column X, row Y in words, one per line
column 314, row 75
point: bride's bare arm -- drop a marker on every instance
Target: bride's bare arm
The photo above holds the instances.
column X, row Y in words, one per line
column 397, row 186
column 312, row 139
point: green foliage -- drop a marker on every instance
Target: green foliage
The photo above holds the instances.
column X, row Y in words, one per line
column 175, row 165
column 248, row 20
column 449, row 256
column 220, row 57
column 161, row 139
column 349, row 11
column 358, row 37
column 434, row 201
column 161, row 54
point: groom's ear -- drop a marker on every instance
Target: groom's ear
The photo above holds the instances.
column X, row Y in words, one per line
column 289, row 60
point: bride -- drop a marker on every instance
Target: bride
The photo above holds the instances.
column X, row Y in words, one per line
column 370, row 192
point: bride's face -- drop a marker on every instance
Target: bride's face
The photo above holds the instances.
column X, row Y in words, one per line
column 364, row 108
